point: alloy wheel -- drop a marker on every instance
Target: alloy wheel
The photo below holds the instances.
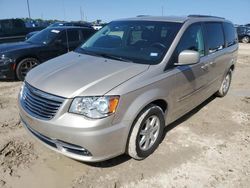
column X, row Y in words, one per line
column 149, row 132
column 245, row 39
column 226, row 83
column 27, row 66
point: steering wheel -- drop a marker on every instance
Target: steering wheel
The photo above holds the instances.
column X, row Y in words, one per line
column 158, row 45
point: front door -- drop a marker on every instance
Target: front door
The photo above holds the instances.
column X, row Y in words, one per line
column 190, row 79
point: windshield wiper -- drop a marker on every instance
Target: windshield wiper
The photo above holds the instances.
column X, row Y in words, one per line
column 114, row 57
column 105, row 55
column 89, row 52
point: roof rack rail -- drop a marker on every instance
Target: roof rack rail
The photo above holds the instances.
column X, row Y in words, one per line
column 204, row 16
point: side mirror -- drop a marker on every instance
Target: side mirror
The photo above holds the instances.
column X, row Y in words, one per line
column 188, row 57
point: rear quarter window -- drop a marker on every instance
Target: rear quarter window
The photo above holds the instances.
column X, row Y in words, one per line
column 215, row 37
column 230, row 34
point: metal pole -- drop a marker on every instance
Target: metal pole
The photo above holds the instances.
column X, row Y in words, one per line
column 82, row 14
column 28, row 8
column 64, row 12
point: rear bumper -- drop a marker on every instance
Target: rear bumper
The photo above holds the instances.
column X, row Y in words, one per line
column 6, row 72
column 77, row 137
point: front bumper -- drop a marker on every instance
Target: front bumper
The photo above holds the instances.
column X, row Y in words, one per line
column 6, row 72
column 78, row 137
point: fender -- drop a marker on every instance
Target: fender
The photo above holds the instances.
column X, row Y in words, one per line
column 133, row 103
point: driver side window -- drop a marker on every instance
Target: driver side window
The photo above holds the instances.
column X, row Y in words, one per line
column 192, row 39
column 63, row 37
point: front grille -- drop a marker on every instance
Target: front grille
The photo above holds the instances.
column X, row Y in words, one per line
column 40, row 104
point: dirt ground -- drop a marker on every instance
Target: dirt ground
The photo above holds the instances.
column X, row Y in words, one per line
column 209, row 147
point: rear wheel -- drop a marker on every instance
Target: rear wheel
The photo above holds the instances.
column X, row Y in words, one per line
column 24, row 67
column 225, row 85
column 246, row 39
column 146, row 133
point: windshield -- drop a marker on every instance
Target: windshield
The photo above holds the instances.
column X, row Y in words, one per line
column 138, row 41
column 45, row 36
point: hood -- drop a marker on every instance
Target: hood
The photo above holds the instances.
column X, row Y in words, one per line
column 75, row 74
column 10, row 47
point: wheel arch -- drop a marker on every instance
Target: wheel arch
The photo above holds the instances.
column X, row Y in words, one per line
column 19, row 59
column 162, row 103
column 158, row 102
column 232, row 67
column 134, row 103
column 244, row 37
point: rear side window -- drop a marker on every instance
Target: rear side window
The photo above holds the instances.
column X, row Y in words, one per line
column 215, row 37
column 73, row 35
column 230, row 34
column 86, row 33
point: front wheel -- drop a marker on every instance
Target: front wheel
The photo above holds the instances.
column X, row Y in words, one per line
column 146, row 133
column 24, row 66
column 225, row 85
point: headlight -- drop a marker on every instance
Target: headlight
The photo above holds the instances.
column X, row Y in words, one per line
column 94, row 107
column 4, row 60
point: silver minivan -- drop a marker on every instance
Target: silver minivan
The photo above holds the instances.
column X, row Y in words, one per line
column 116, row 92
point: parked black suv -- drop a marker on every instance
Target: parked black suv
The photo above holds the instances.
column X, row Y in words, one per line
column 61, row 24
column 16, row 59
column 13, row 30
column 243, row 34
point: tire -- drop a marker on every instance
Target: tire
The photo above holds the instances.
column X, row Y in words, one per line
column 24, row 66
column 147, row 130
column 246, row 39
column 225, row 85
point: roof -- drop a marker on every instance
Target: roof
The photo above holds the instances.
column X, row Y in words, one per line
column 156, row 18
column 181, row 19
